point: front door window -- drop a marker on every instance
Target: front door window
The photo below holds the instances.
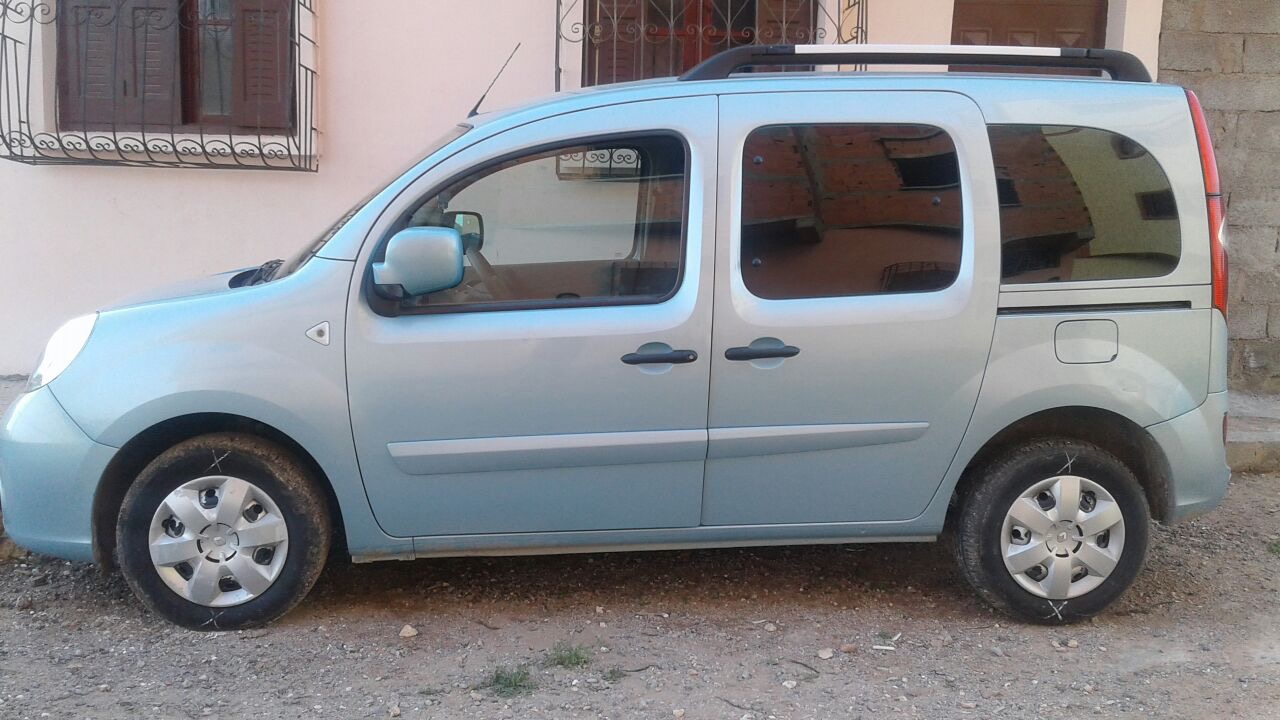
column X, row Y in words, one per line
column 593, row 223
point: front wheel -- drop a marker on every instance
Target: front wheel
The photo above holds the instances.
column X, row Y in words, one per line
column 223, row 531
column 1053, row 531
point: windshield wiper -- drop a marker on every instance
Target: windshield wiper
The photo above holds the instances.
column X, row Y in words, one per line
column 265, row 272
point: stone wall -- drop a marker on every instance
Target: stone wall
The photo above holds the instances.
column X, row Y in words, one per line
column 1228, row 52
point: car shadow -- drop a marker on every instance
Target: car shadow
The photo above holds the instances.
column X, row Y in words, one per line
column 848, row 576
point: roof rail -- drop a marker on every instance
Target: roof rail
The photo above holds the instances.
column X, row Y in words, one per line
column 1118, row 64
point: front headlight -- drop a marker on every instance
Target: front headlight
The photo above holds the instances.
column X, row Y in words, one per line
column 65, row 344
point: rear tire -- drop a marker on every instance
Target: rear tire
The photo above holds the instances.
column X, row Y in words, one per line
column 222, row 532
column 1053, row 531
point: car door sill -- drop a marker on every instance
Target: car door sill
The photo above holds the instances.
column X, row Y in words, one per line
column 723, row 536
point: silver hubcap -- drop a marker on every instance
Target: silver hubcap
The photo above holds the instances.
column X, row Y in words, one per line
column 218, row 541
column 1062, row 537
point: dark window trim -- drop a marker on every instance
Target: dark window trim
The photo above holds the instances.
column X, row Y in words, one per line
column 194, row 129
column 1095, row 308
column 390, row 307
column 964, row 217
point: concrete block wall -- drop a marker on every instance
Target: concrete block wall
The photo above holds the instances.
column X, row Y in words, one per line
column 1228, row 52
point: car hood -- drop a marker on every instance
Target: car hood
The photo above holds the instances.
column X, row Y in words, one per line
column 212, row 284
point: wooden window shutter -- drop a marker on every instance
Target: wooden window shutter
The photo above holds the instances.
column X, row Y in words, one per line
column 152, row 93
column 87, row 71
column 118, row 63
column 613, row 41
column 262, row 71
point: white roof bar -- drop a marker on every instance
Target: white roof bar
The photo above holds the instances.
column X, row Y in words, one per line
column 929, row 50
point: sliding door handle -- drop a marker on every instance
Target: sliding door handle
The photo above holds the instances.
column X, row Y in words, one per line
column 761, row 353
column 669, row 357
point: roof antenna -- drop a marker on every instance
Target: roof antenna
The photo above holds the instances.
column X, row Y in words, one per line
column 476, row 109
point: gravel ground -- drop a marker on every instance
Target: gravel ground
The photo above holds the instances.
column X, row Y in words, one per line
column 761, row 633
column 717, row 634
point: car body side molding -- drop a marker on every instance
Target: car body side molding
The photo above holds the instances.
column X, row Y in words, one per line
column 773, row 440
column 432, row 457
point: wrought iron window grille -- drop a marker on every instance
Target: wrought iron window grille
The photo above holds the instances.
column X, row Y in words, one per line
column 159, row 83
column 917, row 276
column 599, row 164
column 606, row 41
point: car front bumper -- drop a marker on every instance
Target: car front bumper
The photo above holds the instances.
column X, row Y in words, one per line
column 49, row 472
column 1197, row 457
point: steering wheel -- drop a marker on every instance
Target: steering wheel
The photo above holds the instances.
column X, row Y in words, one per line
column 498, row 288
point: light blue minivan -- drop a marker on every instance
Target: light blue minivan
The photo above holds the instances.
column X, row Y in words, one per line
column 719, row 310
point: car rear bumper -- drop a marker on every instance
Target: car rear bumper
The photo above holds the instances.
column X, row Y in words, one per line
column 1197, row 456
column 49, row 472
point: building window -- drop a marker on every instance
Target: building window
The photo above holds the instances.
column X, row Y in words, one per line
column 1007, row 193
column 1158, row 205
column 171, row 83
column 928, row 172
column 205, row 63
column 638, row 39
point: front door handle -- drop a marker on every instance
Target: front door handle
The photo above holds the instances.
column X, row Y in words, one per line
column 668, row 357
column 761, row 353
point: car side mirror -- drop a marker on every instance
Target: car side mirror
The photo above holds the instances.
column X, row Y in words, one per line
column 422, row 260
column 470, row 225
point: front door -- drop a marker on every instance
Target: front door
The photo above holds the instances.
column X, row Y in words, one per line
column 563, row 384
column 855, row 302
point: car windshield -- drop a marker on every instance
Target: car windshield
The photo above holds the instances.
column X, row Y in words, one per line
column 309, row 250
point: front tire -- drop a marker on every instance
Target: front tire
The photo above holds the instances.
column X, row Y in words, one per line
column 1053, row 531
column 223, row 531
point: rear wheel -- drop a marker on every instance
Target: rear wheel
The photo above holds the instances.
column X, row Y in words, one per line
column 223, row 531
column 1053, row 531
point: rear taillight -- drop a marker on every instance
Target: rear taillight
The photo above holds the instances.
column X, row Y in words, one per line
column 1213, row 195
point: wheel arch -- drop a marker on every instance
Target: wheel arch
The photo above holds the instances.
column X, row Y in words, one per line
column 1109, row 430
column 148, row 444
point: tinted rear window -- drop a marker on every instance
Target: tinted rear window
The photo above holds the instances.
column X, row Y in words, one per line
column 1081, row 204
column 844, row 210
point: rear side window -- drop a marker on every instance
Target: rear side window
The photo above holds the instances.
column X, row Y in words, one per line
column 1081, row 204
column 840, row 210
